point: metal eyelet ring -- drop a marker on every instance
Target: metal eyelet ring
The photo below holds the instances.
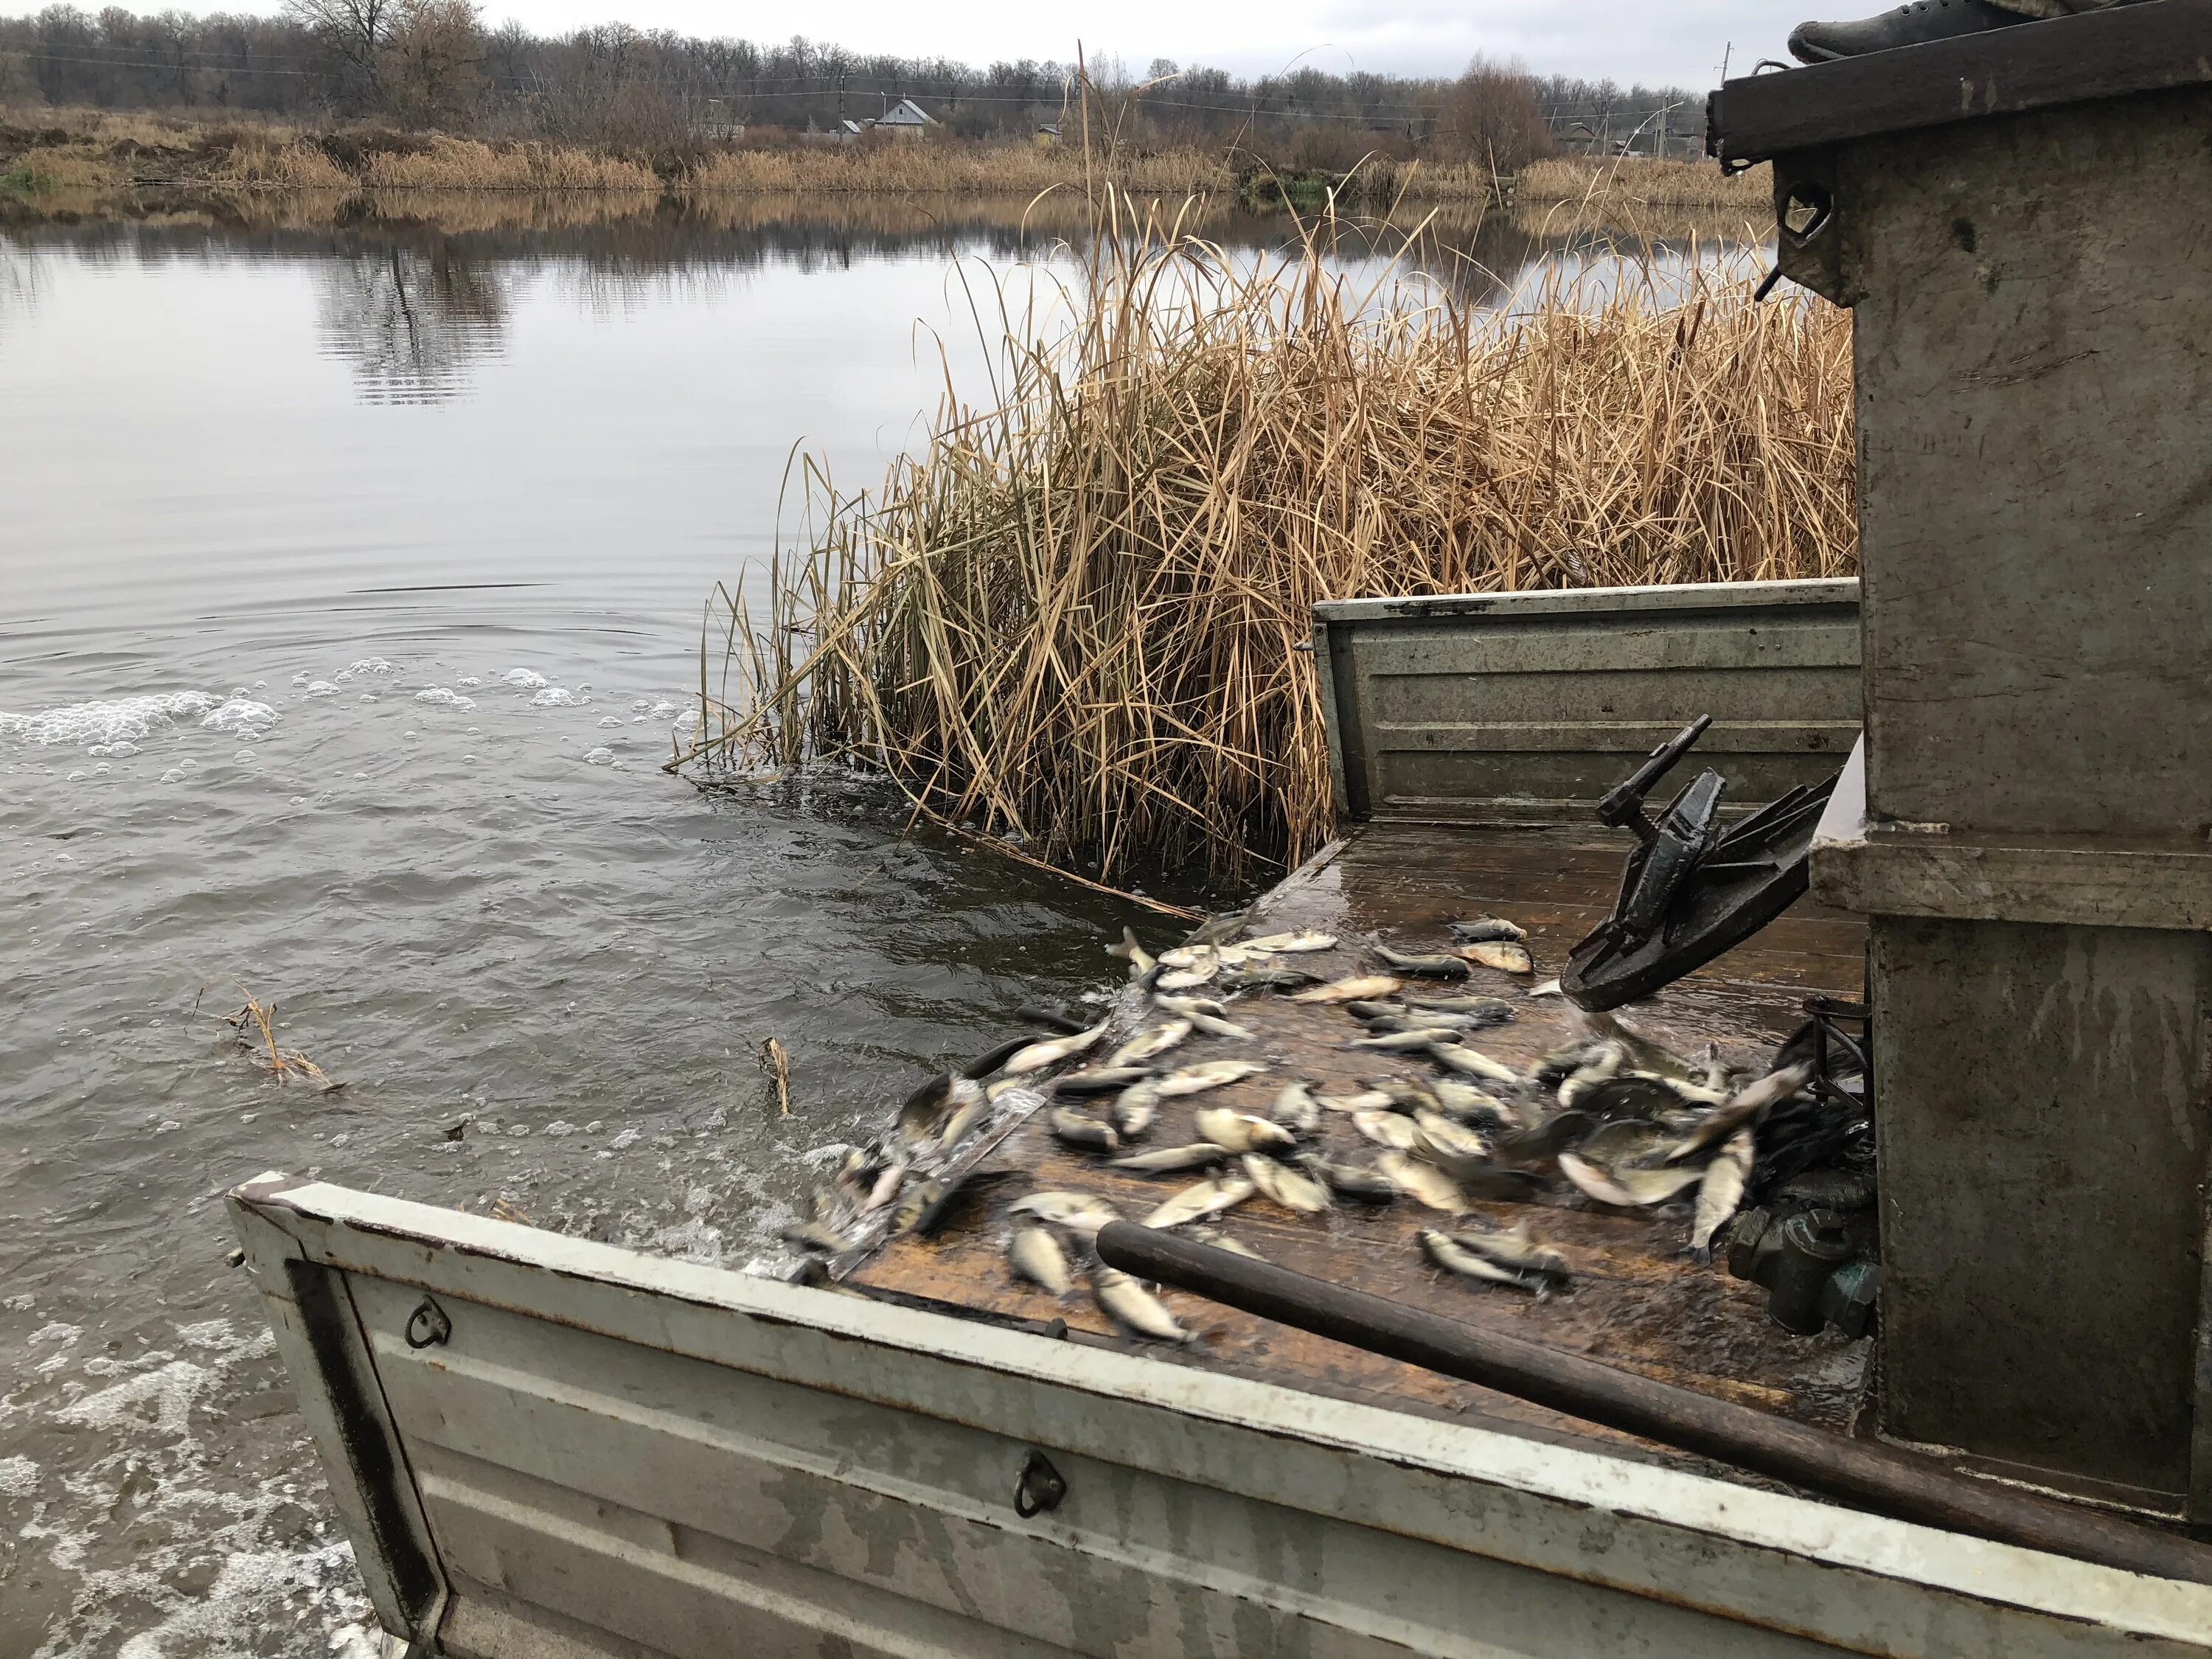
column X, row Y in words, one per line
column 1038, row 1488
column 427, row 1326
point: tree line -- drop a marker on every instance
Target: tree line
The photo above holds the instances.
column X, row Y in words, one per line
column 432, row 63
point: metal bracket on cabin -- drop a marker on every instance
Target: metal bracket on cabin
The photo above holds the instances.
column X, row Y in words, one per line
column 1689, row 890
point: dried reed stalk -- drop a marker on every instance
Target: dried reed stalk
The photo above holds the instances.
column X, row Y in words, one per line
column 1076, row 615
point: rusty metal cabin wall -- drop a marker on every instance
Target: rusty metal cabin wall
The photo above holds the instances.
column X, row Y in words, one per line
column 1527, row 707
column 2033, row 338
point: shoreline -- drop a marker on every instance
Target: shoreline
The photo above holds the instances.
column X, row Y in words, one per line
column 89, row 156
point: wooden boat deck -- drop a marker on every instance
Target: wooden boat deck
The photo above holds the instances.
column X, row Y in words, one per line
column 1638, row 1301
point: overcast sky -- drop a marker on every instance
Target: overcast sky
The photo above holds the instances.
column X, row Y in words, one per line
column 1676, row 42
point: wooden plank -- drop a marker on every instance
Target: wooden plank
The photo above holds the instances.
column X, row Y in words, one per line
column 2111, row 53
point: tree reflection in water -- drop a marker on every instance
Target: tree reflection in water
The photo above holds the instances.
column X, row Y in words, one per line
column 413, row 322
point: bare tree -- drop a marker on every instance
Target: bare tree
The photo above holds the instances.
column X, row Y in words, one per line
column 354, row 34
column 429, row 62
column 1491, row 115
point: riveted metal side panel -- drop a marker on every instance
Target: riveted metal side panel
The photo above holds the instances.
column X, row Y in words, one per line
column 1527, row 707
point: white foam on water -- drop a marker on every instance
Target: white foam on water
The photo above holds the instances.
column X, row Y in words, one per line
column 599, row 757
column 369, row 665
column 106, row 720
column 443, row 698
column 528, row 678
column 240, row 716
column 245, row 756
column 19, row 1477
column 319, row 689
column 470, row 680
column 555, row 696
column 614, row 721
column 66, row 1335
column 174, row 776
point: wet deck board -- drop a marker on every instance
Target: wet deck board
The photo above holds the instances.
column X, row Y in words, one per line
column 1639, row 1301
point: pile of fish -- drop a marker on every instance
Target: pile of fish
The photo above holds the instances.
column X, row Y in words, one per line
column 1613, row 1116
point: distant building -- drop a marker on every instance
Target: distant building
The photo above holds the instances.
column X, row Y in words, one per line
column 906, row 118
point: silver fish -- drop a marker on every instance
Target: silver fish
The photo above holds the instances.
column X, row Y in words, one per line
column 1172, row 1160
column 1036, row 1256
column 1134, row 1307
column 1297, row 1111
column 814, row 1236
column 1266, row 979
column 1417, row 1019
column 1610, row 1058
column 1222, row 1028
column 1468, row 1103
column 1140, row 961
column 1422, row 1181
column 1458, row 1057
column 1401, row 1042
column 1387, row 1129
column 1038, row 1055
column 1221, row 1241
column 1213, row 1074
column 1428, row 967
column 913, row 1203
column 1132, row 1111
column 1148, row 1044
column 961, row 1122
column 1362, row 1008
column 1080, row 1213
column 1504, row 955
column 1348, row 1179
column 1291, row 943
column 1240, row 1132
column 1364, row 987
column 1212, row 1197
column 1407, row 1094
column 1187, row 978
column 1721, row 1191
column 1191, row 956
column 1367, row 1100
column 1189, row 1006
column 1743, row 1108
column 1454, row 1257
column 927, row 1106
column 1099, row 1079
column 1073, row 1129
column 1643, row 1054
column 1482, row 1011
column 1449, row 1138
column 884, row 1190
column 1483, row 929
column 1517, row 1250
column 1288, row 1188
column 1626, row 1188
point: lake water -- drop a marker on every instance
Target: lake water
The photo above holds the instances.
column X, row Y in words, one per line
column 351, row 571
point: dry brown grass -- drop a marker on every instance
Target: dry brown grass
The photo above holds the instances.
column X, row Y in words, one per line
column 1075, row 617
column 446, row 163
column 290, row 164
column 1598, row 187
column 58, row 172
column 950, row 168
